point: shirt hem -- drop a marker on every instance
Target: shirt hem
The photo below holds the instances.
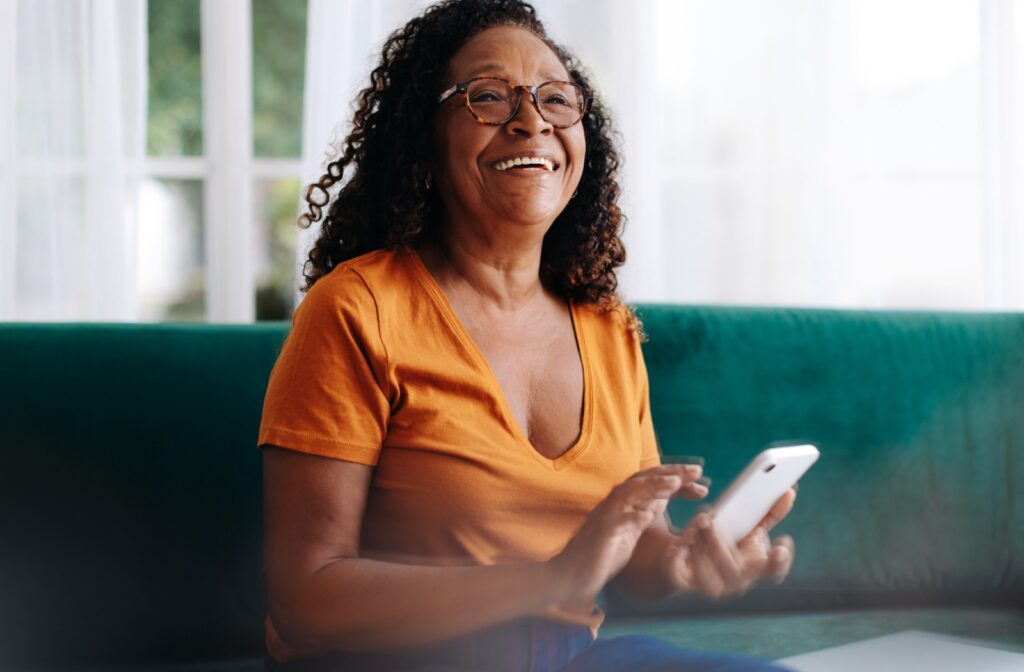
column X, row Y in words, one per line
column 316, row 445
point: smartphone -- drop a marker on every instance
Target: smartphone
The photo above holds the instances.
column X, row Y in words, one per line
column 750, row 497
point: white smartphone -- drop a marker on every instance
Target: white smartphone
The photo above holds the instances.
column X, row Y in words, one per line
column 750, row 497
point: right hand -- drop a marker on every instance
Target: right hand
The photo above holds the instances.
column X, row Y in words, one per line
column 605, row 542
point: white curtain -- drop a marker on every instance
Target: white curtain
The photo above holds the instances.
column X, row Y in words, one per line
column 343, row 44
column 848, row 153
column 72, row 137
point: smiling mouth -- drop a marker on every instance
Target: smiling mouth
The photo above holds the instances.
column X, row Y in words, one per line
column 526, row 162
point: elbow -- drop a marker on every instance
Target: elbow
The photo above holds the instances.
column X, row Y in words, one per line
column 306, row 621
column 295, row 635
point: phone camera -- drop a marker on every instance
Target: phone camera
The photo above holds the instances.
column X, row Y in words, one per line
column 769, row 468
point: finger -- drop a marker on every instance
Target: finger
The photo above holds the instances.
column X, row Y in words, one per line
column 755, row 550
column 642, row 492
column 638, row 520
column 780, row 509
column 675, row 558
column 780, row 559
column 696, row 490
column 683, row 474
column 688, row 472
column 723, row 554
column 755, row 544
column 687, row 536
column 704, row 574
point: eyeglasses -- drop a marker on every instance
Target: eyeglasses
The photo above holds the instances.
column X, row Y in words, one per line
column 494, row 101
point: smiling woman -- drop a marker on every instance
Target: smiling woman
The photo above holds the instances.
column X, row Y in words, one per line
column 459, row 453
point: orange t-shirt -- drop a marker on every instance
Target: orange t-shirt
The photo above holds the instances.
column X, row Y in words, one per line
column 378, row 370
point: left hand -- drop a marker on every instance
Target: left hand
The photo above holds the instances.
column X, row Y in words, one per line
column 700, row 561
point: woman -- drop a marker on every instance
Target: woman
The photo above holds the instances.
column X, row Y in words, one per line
column 459, row 454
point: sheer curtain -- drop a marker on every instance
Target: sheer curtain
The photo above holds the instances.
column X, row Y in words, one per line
column 848, row 153
column 72, row 136
column 343, row 44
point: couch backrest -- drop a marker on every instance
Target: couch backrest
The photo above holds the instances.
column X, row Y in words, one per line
column 131, row 527
column 919, row 416
column 131, row 520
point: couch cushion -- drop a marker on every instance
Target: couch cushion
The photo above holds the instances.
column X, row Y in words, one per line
column 782, row 635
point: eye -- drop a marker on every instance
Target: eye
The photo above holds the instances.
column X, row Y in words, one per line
column 556, row 99
column 485, row 97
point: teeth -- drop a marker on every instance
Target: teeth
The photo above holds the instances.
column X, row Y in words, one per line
column 525, row 161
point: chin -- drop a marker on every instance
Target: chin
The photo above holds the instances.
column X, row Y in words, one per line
column 544, row 219
column 535, row 215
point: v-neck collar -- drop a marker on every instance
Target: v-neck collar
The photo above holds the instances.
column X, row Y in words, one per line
column 447, row 311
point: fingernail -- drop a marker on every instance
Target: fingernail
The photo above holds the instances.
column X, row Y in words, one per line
column 700, row 489
column 694, row 469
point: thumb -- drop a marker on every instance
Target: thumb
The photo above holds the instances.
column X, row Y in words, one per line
column 676, row 562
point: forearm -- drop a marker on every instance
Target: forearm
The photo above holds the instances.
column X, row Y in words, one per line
column 647, row 575
column 363, row 605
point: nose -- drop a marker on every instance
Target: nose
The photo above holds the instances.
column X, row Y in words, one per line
column 527, row 120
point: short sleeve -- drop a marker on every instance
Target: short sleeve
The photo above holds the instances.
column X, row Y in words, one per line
column 650, row 456
column 327, row 391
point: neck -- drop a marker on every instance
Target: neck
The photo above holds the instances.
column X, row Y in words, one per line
column 503, row 275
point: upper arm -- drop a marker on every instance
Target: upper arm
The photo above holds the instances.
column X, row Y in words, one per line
column 312, row 512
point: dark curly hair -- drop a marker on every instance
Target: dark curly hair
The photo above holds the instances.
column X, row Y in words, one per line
column 385, row 202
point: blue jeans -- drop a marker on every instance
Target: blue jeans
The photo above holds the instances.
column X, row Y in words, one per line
column 533, row 645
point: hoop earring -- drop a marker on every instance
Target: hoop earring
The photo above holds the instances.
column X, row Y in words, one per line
column 428, row 182
column 574, row 194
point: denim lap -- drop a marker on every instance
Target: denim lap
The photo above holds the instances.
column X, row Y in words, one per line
column 535, row 646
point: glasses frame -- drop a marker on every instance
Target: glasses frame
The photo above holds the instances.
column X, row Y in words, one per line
column 463, row 88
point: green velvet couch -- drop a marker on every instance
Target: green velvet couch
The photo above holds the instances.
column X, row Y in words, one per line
column 130, row 531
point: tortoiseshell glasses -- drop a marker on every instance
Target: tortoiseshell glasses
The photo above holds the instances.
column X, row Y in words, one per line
column 494, row 101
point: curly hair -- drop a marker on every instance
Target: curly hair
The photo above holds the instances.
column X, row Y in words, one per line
column 385, row 202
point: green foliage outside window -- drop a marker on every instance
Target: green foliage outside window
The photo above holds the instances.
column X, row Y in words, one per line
column 277, row 203
column 175, row 83
column 278, row 65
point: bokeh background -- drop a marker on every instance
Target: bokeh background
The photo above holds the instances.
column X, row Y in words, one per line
column 840, row 153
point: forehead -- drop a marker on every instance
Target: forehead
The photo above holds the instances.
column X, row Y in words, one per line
column 506, row 51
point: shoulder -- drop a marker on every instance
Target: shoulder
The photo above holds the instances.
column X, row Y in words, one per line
column 612, row 330
column 353, row 286
column 341, row 295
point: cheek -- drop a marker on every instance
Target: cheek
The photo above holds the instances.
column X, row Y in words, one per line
column 460, row 153
column 579, row 155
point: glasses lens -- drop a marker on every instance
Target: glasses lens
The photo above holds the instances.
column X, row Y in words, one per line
column 561, row 103
column 491, row 100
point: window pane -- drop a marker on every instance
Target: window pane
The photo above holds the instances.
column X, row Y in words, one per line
column 50, row 243
column 278, row 65
column 276, row 232
column 175, row 83
column 172, row 284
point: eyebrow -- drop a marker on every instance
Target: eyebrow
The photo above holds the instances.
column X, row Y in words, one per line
column 498, row 70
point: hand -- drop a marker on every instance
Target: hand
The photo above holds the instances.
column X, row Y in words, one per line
column 704, row 563
column 605, row 542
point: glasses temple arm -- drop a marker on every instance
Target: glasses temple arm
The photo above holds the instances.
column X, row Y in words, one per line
column 445, row 95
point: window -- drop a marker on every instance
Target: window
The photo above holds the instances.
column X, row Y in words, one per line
column 221, row 175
